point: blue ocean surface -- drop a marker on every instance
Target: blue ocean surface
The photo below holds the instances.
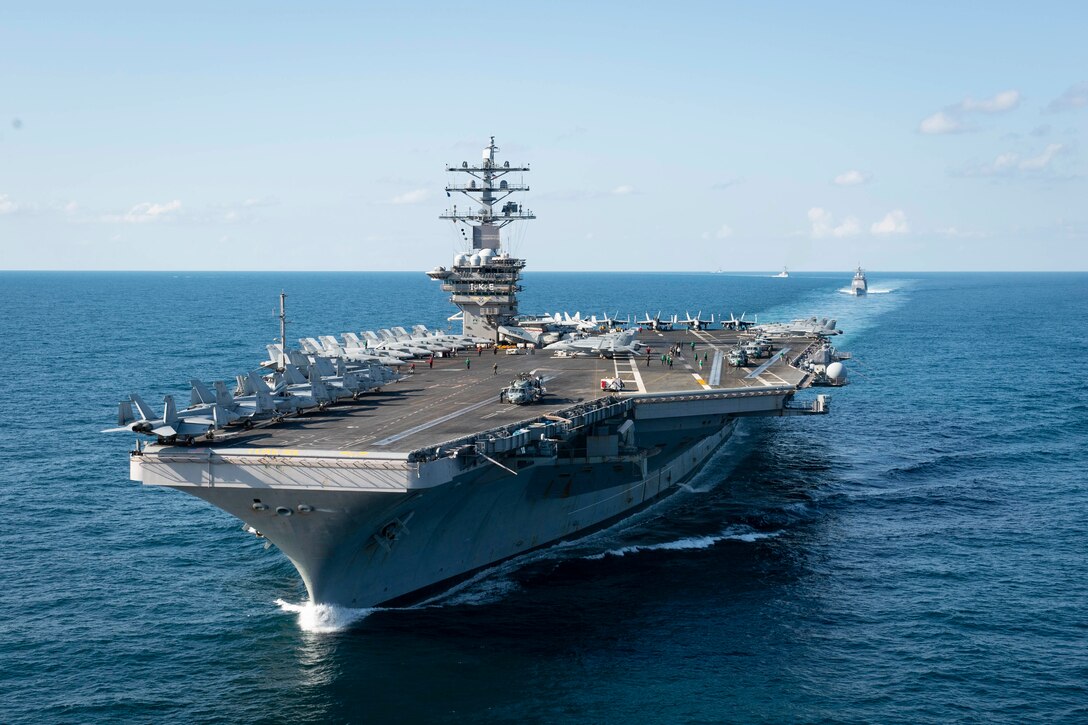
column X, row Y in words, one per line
column 920, row 555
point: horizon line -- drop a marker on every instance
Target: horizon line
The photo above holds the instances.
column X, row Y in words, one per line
column 551, row 271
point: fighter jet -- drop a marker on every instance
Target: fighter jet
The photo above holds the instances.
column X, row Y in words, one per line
column 697, row 322
column 612, row 321
column 656, row 323
column 607, row 345
column 304, row 391
column 736, row 323
column 821, row 327
column 253, row 392
column 171, row 426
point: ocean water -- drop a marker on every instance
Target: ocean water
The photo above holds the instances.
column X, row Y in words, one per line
column 920, row 555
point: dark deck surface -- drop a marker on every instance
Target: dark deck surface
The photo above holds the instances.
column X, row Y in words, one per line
column 460, row 395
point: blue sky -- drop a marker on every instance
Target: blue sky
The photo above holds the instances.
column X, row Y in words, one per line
column 682, row 136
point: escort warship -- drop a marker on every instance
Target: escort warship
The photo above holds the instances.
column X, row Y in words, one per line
column 858, row 285
column 385, row 481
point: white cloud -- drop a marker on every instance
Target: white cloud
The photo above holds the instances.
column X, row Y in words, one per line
column 894, row 222
column 7, row 206
column 1076, row 96
column 414, row 196
column 823, row 224
column 957, row 233
column 853, row 178
column 950, row 120
column 623, row 190
column 146, row 212
column 1003, row 101
column 724, row 232
column 1011, row 164
column 726, row 184
column 1043, row 160
column 1005, row 161
column 941, row 122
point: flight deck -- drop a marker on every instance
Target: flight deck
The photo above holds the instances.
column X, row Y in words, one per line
column 460, row 395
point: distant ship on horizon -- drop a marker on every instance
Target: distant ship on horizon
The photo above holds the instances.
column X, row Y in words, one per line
column 784, row 273
column 859, row 286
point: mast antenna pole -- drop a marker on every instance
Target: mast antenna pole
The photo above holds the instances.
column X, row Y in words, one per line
column 283, row 331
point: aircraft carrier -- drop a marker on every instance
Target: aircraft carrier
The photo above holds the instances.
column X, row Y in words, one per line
column 403, row 486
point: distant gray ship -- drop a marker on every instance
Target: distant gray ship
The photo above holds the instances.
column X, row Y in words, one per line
column 382, row 487
column 859, row 286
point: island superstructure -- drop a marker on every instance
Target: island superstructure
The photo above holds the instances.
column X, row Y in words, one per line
column 400, row 484
column 484, row 283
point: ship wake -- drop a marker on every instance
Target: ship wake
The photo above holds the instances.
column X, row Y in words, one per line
column 732, row 533
column 870, row 291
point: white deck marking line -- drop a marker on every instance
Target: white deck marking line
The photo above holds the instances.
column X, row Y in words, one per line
column 638, row 376
column 699, row 379
column 716, row 368
column 632, row 363
column 433, row 423
column 780, row 355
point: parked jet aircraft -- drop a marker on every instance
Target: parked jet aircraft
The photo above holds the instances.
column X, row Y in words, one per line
column 811, row 326
column 736, row 323
column 697, row 322
column 171, row 425
column 607, row 345
column 656, row 323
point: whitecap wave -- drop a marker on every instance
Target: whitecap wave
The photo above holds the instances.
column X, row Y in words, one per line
column 324, row 618
column 694, row 542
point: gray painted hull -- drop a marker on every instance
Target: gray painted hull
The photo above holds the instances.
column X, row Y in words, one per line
column 364, row 548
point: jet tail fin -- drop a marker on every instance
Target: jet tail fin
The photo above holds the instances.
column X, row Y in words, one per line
column 124, row 413
column 260, row 389
column 142, row 408
column 200, row 395
column 293, row 375
column 297, row 359
column 222, row 395
column 317, row 388
column 170, row 410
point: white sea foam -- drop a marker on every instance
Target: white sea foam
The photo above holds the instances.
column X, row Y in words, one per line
column 694, row 542
column 871, row 291
column 324, row 618
column 486, row 587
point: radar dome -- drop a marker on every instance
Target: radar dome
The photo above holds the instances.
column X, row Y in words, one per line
column 836, row 372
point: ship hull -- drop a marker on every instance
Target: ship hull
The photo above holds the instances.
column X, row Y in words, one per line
column 357, row 548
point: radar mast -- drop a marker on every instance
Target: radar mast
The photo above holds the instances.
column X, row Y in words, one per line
column 484, row 282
